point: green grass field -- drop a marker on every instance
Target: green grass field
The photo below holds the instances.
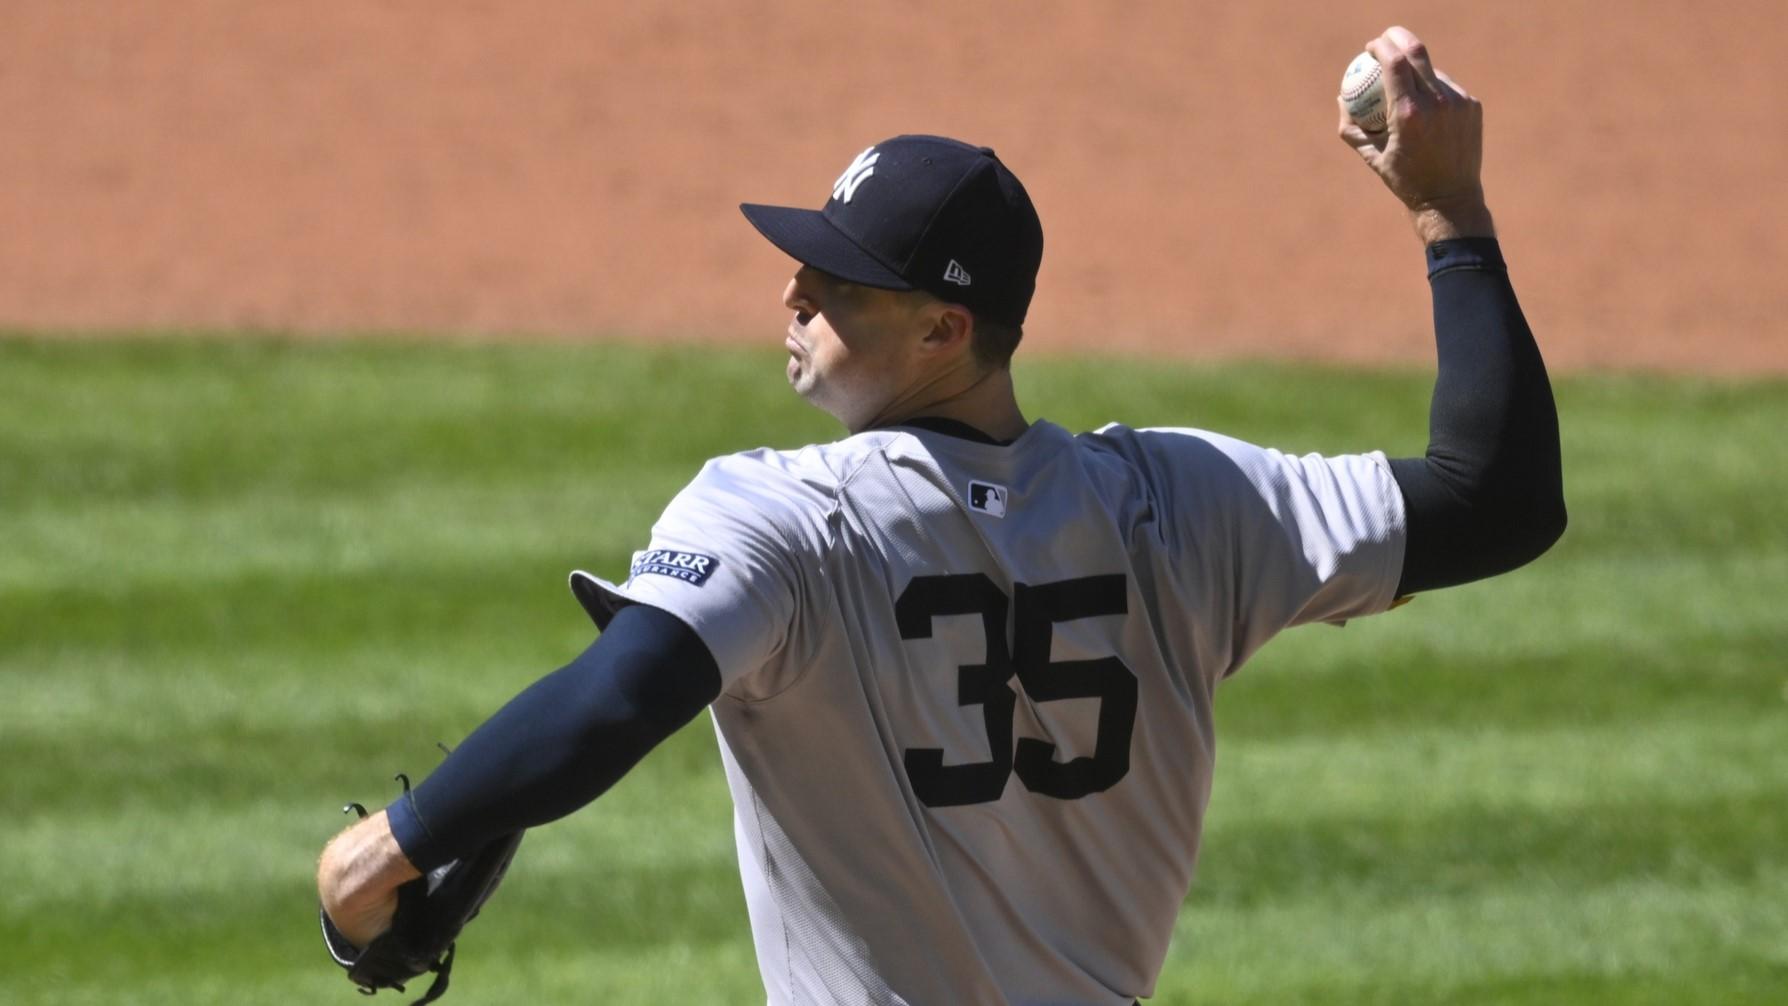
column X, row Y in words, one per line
column 244, row 582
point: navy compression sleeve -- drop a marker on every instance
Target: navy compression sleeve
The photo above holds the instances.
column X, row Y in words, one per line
column 1488, row 496
column 563, row 741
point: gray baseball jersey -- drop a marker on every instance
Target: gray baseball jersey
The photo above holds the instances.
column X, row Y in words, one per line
column 966, row 717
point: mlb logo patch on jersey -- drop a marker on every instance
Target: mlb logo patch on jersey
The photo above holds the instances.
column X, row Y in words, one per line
column 690, row 567
column 987, row 498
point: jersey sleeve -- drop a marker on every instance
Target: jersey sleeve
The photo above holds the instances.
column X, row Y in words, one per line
column 723, row 559
column 1265, row 540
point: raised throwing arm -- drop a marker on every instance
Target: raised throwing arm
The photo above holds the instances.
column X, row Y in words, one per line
column 1488, row 494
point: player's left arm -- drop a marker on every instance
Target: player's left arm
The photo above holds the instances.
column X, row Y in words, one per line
column 555, row 747
column 1487, row 496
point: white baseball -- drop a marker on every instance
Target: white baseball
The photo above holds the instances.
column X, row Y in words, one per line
column 1362, row 91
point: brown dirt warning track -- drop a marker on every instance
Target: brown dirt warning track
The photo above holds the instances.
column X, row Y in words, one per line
column 560, row 169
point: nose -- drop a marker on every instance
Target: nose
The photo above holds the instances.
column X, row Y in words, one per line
column 796, row 298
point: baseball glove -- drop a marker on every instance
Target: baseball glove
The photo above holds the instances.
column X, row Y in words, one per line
column 431, row 911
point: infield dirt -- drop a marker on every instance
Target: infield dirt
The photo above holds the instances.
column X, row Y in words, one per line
column 556, row 169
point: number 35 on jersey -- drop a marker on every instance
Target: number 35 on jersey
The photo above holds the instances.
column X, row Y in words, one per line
column 1035, row 611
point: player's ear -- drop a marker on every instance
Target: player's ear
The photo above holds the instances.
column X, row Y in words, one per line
column 952, row 328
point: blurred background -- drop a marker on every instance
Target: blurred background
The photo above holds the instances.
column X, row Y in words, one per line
column 559, row 168
column 333, row 335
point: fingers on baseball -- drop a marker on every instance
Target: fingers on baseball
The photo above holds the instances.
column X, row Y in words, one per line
column 1459, row 92
column 1416, row 52
column 1400, row 88
column 1470, row 107
column 1410, row 84
column 1355, row 137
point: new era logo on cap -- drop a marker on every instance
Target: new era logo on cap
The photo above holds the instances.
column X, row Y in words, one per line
column 955, row 273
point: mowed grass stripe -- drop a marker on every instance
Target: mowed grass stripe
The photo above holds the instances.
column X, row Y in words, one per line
column 1521, row 943
column 421, row 598
column 515, row 617
column 215, row 736
column 1421, row 773
column 503, row 974
column 126, row 543
column 243, row 582
column 1723, row 820
column 195, row 418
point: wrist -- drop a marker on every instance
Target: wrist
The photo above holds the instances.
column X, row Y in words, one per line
column 1464, row 216
column 358, row 877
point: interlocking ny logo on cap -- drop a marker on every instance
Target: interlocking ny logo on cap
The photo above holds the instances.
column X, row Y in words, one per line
column 846, row 185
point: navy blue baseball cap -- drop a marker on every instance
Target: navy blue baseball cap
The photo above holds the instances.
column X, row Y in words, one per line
column 921, row 213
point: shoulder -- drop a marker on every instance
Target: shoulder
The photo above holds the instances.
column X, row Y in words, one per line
column 1179, row 454
column 1119, row 438
column 789, row 489
column 811, row 472
column 1203, row 463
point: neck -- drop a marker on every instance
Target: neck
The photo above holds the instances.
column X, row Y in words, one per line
column 985, row 401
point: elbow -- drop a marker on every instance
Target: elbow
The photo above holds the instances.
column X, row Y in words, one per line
column 1546, row 506
column 1522, row 506
column 1548, row 522
column 1531, row 530
column 1556, row 520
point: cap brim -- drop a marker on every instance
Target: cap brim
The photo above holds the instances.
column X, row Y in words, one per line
column 810, row 239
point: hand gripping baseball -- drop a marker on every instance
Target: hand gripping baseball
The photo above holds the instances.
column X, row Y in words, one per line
column 1432, row 151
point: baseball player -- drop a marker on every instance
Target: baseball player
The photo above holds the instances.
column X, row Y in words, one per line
column 962, row 663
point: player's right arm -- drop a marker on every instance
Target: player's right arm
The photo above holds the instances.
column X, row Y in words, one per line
column 1487, row 496
column 1266, row 540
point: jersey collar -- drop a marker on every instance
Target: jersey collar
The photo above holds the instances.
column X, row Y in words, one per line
column 953, row 428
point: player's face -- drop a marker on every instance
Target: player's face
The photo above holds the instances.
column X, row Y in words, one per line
column 851, row 347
